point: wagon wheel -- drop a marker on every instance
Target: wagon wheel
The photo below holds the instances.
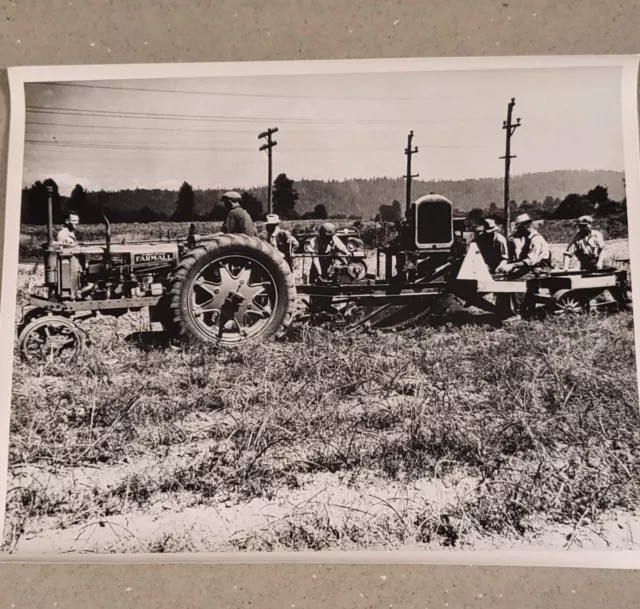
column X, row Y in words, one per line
column 29, row 316
column 231, row 290
column 566, row 303
column 358, row 269
column 51, row 339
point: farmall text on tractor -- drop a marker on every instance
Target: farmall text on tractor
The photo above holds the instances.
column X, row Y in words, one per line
column 231, row 289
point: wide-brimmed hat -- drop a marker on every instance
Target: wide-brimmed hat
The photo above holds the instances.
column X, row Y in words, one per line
column 232, row 195
column 585, row 221
column 272, row 219
column 522, row 219
column 490, row 225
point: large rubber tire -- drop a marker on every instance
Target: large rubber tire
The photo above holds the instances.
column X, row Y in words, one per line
column 256, row 251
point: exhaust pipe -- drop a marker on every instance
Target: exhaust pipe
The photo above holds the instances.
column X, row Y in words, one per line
column 49, row 216
column 50, row 258
column 107, row 225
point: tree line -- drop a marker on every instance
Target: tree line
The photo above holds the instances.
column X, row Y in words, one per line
column 157, row 205
column 124, row 206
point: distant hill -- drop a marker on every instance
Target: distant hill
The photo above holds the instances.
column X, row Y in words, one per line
column 363, row 197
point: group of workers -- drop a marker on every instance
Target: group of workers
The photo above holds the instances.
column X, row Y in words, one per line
column 325, row 247
column 527, row 250
column 524, row 251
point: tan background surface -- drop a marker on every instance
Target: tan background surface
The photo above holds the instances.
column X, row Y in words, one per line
column 40, row 32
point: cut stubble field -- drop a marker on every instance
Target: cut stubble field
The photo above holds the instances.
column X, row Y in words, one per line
column 470, row 437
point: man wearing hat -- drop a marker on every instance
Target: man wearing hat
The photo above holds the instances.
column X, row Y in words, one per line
column 326, row 247
column 492, row 245
column 281, row 239
column 534, row 252
column 238, row 221
column 587, row 246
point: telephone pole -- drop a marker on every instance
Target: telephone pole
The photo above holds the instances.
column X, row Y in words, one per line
column 409, row 151
column 510, row 129
column 269, row 147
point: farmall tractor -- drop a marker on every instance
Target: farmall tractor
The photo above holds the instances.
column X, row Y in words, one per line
column 231, row 289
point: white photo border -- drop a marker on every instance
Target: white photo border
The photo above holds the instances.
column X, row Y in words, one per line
column 19, row 76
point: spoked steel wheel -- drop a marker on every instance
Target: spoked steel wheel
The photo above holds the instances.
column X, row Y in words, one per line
column 51, row 339
column 231, row 290
column 567, row 304
column 233, row 298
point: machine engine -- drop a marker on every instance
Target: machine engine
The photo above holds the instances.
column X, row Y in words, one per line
column 96, row 272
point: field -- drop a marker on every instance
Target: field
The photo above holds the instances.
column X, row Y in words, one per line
column 373, row 234
column 470, row 436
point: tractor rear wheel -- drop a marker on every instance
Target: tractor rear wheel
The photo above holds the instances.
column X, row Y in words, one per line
column 233, row 289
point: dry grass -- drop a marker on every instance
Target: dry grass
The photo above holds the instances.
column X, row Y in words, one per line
column 521, row 429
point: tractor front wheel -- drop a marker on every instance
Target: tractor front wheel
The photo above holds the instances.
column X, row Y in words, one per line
column 233, row 289
column 51, row 339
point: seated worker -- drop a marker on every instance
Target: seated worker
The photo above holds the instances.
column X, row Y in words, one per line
column 67, row 235
column 492, row 245
column 280, row 239
column 587, row 246
column 534, row 253
column 325, row 247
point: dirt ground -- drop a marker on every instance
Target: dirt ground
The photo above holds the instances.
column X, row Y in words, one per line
column 167, row 480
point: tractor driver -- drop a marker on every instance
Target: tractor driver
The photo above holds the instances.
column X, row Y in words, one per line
column 534, row 253
column 281, row 239
column 587, row 245
column 325, row 247
column 238, row 219
column 67, row 235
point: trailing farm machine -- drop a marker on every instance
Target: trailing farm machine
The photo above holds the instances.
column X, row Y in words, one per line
column 230, row 289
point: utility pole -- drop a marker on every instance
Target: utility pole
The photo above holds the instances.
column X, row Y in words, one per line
column 510, row 129
column 409, row 151
column 269, row 147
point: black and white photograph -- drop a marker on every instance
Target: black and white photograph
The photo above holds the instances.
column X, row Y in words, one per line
column 356, row 305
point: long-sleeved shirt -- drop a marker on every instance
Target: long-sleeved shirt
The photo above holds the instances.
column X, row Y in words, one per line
column 494, row 249
column 66, row 237
column 587, row 249
column 238, row 221
column 324, row 254
column 282, row 240
column 535, row 250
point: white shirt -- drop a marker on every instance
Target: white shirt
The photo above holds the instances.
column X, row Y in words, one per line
column 66, row 237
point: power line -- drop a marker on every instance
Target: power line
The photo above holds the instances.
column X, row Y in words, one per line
column 265, row 95
column 124, row 146
column 252, row 119
column 153, row 146
column 129, row 128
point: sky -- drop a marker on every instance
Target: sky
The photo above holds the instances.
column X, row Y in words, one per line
column 156, row 133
